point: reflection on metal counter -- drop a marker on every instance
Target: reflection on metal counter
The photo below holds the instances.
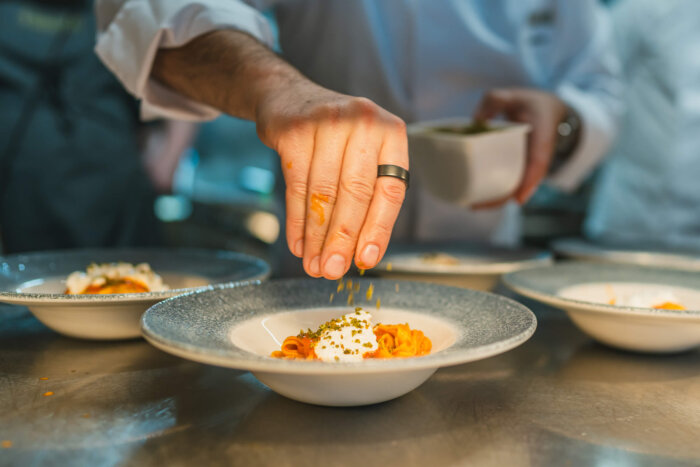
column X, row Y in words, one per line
column 559, row 399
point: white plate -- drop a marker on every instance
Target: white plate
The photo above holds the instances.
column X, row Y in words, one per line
column 480, row 267
column 238, row 327
column 581, row 249
column 584, row 291
column 37, row 281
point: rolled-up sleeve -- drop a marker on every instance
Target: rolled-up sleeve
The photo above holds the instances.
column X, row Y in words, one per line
column 587, row 73
column 131, row 32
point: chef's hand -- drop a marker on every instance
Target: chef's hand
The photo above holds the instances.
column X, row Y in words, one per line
column 543, row 111
column 330, row 145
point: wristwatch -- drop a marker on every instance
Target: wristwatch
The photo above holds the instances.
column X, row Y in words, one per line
column 568, row 136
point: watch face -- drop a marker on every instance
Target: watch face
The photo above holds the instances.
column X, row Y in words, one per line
column 568, row 132
column 564, row 129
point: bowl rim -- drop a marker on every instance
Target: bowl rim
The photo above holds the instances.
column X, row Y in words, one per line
column 23, row 298
column 583, row 249
column 514, row 282
column 538, row 258
column 258, row 363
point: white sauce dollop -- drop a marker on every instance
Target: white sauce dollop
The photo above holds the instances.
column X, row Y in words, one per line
column 347, row 339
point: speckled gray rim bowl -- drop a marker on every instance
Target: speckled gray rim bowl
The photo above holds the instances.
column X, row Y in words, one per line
column 628, row 328
column 115, row 316
column 198, row 326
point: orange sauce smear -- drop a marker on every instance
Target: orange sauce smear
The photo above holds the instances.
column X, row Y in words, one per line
column 116, row 287
column 669, row 306
column 317, row 206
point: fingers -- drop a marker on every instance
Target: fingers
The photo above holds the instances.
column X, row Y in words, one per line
column 330, row 143
column 493, row 103
column 355, row 192
column 539, row 155
column 336, row 207
column 295, row 166
column 492, row 203
column 389, row 193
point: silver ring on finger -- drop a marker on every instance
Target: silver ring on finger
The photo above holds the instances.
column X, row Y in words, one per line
column 389, row 170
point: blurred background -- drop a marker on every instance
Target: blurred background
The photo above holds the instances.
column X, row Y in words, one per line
column 215, row 185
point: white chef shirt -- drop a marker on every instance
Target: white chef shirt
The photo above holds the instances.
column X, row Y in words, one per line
column 649, row 190
column 419, row 59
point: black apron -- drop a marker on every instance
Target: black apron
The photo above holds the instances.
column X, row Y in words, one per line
column 70, row 173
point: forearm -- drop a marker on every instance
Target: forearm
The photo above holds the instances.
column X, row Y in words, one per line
column 226, row 69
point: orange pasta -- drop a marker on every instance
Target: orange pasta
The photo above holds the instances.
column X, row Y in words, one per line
column 296, row 348
column 118, row 286
column 392, row 341
column 398, row 340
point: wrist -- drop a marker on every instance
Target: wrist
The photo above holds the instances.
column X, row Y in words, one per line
column 270, row 83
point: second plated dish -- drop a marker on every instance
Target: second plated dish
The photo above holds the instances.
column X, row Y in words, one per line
column 461, row 264
column 38, row 281
column 629, row 307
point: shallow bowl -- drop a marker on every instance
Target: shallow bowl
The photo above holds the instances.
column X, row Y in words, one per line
column 479, row 267
column 585, row 290
column 37, row 281
column 584, row 250
column 239, row 326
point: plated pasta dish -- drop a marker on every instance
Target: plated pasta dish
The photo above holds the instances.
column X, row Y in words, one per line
column 353, row 338
column 115, row 278
column 662, row 299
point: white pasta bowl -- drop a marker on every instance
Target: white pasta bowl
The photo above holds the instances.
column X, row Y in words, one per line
column 240, row 326
column 467, row 169
column 38, row 281
column 585, row 292
column 468, row 265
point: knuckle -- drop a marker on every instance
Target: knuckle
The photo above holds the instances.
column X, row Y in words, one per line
column 393, row 191
column 359, row 189
column 315, row 237
column 295, row 224
column 397, row 124
column 328, row 112
column 326, row 192
column 381, row 230
column 364, row 107
column 345, row 234
column 296, row 190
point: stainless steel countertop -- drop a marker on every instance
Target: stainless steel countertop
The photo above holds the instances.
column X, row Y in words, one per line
column 560, row 399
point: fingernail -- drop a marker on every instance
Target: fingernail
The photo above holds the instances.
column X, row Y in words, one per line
column 335, row 266
column 315, row 266
column 299, row 248
column 370, row 255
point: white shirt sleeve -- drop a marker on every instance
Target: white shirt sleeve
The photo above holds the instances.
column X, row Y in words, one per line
column 588, row 80
column 131, row 32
